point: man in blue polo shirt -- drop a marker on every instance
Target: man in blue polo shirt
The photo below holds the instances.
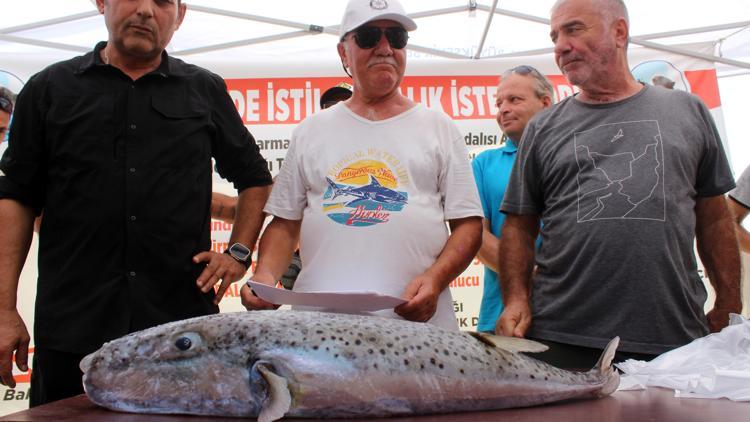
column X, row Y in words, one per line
column 522, row 92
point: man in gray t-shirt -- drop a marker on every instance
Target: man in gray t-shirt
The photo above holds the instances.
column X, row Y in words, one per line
column 740, row 206
column 625, row 177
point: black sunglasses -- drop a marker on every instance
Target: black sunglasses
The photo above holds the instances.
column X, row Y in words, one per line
column 368, row 37
column 6, row 105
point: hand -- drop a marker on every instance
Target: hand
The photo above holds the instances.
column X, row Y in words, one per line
column 13, row 338
column 251, row 302
column 219, row 266
column 422, row 298
column 515, row 319
column 718, row 318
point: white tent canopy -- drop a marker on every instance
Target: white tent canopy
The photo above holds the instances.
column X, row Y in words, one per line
column 303, row 30
column 457, row 29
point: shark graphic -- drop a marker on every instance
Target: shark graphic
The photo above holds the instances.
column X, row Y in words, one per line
column 374, row 192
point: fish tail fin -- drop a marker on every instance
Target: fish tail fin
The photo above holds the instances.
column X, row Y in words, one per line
column 334, row 187
column 605, row 369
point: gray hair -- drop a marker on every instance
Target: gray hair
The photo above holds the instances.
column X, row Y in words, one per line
column 611, row 9
column 542, row 85
column 615, row 9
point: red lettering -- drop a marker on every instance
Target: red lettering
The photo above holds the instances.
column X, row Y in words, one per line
column 465, row 281
column 365, row 215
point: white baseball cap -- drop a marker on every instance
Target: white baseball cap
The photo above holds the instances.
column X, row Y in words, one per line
column 359, row 12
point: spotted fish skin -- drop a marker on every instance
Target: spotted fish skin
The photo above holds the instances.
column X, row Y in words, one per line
column 272, row 364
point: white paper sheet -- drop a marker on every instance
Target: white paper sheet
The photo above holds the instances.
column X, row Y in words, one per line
column 343, row 301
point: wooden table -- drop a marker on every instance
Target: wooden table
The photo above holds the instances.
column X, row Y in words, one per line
column 654, row 404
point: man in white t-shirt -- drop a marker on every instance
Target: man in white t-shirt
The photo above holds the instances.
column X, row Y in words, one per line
column 368, row 185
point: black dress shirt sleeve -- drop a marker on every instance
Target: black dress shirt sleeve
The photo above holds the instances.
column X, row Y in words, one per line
column 244, row 167
column 23, row 165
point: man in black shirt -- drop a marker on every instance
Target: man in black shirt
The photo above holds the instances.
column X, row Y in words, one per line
column 115, row 146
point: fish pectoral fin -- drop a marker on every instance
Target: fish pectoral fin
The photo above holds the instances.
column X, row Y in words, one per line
column 511, row 344
column 279, row 399
column 605, row 369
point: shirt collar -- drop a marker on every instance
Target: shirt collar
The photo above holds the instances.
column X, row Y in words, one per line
column 509, row 147
column 167, row 67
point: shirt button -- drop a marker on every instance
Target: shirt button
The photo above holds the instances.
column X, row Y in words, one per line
column 132, row 126
column 132, row 218
column 132, row 169
column 132, row 273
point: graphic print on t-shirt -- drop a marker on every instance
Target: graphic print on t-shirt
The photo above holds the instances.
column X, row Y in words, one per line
column 363, row 189
column 620, row 172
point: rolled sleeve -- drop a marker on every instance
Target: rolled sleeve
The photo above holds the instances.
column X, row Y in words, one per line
column 522, row 196
column 289, row 195
column 22, row 167
column 238, row 157
column 457, row 185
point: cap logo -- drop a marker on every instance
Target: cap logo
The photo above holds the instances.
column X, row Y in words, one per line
column 378, row 4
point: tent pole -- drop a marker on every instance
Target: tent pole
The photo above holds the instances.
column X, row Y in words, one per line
column 241, row 43
column 486, row 30
column 49, row 22
column 40, row 43
column 685, row 52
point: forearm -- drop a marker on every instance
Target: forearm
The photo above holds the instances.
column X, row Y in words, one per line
column 739, row 212
column 249, row 215
column 517, row 257
column 458, row 252
column 16, row 231
column 278, row 243
column 223, row 207
column 489, row 252
column 744, row 238
column 719, row 251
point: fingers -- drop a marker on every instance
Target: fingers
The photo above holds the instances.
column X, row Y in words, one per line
column 13, row 338
column 22, row 356
column 420, row 308
column 218, row 267
column 225, row 283
column 513, row 324
column 522, row 327
column 252, row 302
column 202, row 257
column 6, row 370
column 506, row 324
column 421, row 301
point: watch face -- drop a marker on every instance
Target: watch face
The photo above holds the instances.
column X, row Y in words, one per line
column 239, row 251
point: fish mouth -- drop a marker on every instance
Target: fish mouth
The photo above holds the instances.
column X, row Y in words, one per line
column 86, row 362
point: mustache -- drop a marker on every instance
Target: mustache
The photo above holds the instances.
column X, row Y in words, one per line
column 382, row 60
column 140, row 25
column 568, row 58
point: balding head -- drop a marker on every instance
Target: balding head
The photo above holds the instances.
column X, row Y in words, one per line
column 610, row 10
column 591, row 38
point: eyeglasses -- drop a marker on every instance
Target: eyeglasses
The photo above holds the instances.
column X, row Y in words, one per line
column 6, row 105
column 368, row 37
column 524, row 70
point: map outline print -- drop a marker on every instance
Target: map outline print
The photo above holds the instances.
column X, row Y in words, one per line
column 616, row 200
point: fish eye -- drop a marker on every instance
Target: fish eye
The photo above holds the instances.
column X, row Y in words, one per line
column 187, row 341
column 183, row 343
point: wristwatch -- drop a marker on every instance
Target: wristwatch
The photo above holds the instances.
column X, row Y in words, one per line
column 240, row 253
